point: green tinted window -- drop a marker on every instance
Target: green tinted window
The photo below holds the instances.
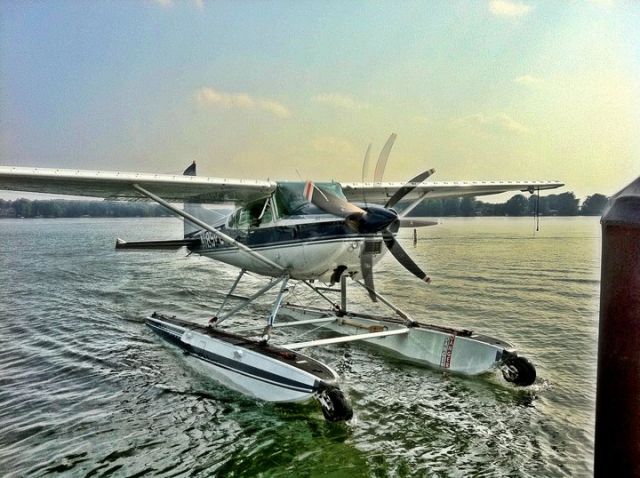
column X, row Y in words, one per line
column 252, row 215
column 290, row 200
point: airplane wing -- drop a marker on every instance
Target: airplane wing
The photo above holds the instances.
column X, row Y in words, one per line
column 119, row 185
column 381, row 192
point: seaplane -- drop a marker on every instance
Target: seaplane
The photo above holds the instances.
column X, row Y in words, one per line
column 322, row 236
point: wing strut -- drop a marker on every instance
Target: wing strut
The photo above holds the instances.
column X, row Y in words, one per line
column 212, row 230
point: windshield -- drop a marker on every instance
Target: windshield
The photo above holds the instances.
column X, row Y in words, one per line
column 290, row 200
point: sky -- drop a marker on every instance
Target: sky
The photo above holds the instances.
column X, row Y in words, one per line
column 477, row 89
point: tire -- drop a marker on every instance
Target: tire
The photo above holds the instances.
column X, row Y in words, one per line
column 520, row 371
column 335, row 406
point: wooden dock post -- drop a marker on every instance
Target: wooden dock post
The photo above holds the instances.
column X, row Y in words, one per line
column 617, row 435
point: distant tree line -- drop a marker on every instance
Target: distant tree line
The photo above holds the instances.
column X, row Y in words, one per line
column 564, row 204
column 64, row 208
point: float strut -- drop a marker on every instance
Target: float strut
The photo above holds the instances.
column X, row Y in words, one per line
column 266, row 333
column 343, row 293
column 386, row 302
column 267, row 287
column 226, row 298
column 278, row 301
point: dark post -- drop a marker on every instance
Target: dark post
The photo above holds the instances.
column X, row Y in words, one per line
column 617, row 441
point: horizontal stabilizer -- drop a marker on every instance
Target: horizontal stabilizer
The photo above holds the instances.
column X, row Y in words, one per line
column 171, row 244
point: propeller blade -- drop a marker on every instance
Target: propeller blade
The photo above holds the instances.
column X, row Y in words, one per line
column 402, row 257
column 365, row 166
column 365, row 163
column 407, row 188
column 331, row 203
column 416, row 222
column 366, row 266
column 382, row 159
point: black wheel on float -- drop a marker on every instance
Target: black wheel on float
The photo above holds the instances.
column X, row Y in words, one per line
column 519, row 371
column 335, row 406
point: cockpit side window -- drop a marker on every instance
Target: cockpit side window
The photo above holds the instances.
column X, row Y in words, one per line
column 252, row 215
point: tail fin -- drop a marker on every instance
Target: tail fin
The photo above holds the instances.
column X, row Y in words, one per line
column 195, row 209
column 191, row 170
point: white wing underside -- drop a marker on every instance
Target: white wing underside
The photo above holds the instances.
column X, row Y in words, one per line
column 380, row 192
column 208, row 190
column 115, row 185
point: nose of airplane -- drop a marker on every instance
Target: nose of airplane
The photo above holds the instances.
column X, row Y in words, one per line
column 377, row 218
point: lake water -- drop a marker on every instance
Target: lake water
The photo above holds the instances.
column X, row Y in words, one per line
column 87, row 390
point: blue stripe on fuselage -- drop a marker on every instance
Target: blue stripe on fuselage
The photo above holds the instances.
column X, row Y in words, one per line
column 281, row 235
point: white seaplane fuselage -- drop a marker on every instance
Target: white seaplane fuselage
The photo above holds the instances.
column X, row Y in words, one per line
column 303, row 241
column 308, row 247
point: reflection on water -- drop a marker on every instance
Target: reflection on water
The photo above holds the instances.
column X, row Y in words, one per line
column 86, row 389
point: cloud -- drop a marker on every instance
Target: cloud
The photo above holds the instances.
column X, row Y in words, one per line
column 339, row 101
column 210, row 97
column 529, row 81
column 338, row 147
column 275, row 108
column 499, row 122
column 508, row 8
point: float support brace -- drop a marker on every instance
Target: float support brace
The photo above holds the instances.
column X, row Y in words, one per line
column 397, row 310
column 278, row 301
column 233, row 288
